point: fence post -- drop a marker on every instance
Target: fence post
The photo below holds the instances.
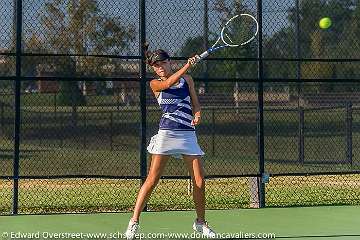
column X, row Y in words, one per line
column 349, row 132
column 142, row 37
column 55, row 114
column 206, row 40
column 63, row 127
column 84, row 130
column 260, row 112
column 118, row 98
column 55, row 102
column 111, row 131
column 2, row 116
column 213, row 131
column 300, row 97
column 301, row 135
column 39, row 128
column 18, row 19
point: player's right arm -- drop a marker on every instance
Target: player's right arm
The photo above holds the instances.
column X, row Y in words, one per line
column 158, row 86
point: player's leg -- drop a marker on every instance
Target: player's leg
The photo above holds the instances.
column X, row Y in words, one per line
column 157, row 167
column 197, row 173
column 196, row 170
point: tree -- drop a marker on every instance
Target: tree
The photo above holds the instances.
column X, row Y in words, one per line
column 190, row 48
column 314, row 42
column 80, row 27
column 349, row 46
column 281, row 44
column 239, row 69
column 324, row 44
column 320, row 70
column 30, row 64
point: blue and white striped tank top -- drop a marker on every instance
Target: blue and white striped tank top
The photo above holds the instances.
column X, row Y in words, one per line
column 176, row 106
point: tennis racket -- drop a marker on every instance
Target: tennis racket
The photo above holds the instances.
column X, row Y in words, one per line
column 238, row 31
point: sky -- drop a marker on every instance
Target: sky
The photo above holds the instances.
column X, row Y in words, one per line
column 168, row 23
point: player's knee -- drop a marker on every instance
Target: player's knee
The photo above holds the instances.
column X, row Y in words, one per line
column 152, row 181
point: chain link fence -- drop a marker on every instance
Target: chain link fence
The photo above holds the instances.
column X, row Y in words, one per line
column 281, row 128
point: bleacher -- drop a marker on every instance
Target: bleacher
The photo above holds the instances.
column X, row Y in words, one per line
column 215, row 99
column 321, row 99
column 244, row 98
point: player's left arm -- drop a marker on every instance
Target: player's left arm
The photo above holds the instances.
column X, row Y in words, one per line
column 194, row 100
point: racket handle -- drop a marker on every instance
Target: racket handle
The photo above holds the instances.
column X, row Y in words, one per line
column 202, row 56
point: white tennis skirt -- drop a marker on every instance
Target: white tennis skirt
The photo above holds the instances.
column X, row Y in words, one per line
column 176, row 143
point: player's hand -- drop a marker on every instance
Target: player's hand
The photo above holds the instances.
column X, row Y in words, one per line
column 195, row 121
column 193, row 60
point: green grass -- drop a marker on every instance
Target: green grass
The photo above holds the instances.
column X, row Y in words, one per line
column 105, row 141
column 50, row 99
column 84, row 195
column 48, row 158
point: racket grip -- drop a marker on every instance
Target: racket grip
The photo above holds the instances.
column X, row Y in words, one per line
column 202, row 56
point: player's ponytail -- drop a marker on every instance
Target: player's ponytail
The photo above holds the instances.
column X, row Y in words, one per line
column 153, row 56
column 147, row 53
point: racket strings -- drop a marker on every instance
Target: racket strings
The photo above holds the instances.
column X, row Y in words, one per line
column 228, row 38
column 239, row 30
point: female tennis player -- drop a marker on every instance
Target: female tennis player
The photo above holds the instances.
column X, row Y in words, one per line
column 177, row 98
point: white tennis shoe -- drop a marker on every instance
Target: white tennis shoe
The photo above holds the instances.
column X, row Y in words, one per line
column 132, row 230
column 204, row 229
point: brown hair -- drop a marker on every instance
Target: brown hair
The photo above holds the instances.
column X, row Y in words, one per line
column 157, row 55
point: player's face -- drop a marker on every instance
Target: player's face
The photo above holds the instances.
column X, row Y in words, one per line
column 162, row 68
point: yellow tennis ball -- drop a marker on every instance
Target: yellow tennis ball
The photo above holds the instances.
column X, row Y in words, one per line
column 325, row 23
